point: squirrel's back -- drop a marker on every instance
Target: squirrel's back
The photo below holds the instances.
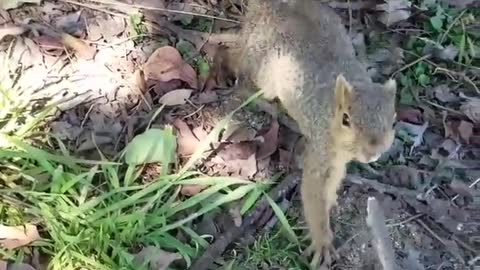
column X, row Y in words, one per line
column 294, row 50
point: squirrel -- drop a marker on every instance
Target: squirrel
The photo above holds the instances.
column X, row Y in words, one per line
column 298, row 51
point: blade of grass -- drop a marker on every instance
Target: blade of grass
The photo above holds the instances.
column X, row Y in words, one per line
column 283, row 220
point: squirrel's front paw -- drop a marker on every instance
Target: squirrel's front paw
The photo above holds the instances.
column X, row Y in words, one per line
column 323, row 252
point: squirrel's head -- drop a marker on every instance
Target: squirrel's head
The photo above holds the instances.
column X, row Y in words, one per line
column 364, row 118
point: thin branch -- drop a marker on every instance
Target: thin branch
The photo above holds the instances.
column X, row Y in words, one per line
column 381, row 238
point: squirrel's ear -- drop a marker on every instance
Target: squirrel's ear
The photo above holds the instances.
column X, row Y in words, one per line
column 343, row 90
column 390, row 86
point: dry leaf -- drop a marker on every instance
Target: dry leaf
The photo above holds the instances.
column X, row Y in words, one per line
column 156, row 258
column 244, row 167
column 187, row 142
column 190, row 190
column 235, row 151
column 270, row 142
column 140, row 80
column 442, row 92
column 49, row 45
column 12, row 237
column 206, row 97
column 176, row 97
column 409, row 114
column 402, row 176
column 447, row 150
column 460, row 131
column 166, row 64
column 82, row 49
column 416, row 132
column 200, row 133
column 236, row 215
column 11, row 30
column 11, row 4
column 394, row 11
column 471, row 108
column 461, row 188
column 71, row 23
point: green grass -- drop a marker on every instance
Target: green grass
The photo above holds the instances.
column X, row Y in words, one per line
column 98, row 214
column 444, row 27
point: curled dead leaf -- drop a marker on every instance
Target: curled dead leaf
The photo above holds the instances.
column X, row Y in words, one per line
column 409, row 114
column 12, row 237
column 176, row 97
column 11, row 30
column 461, row 188
column 402, row 176
column 460, row 131
column 394, row 11
column 81, row 49
column 190, row 190
column 471, row 109
column 140, row 80
column 166, row 64
column 269, row 142
column 186, row 140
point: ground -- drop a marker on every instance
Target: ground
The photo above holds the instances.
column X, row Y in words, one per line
column 124, row 143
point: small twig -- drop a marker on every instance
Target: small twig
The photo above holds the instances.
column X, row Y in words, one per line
column 442, row 107
column 440, row 239
column 406, row 220
column 411, row 64
column 351, row 6
column 470, row 186
column 381, row 238
column 442, row 39
column 380, row 187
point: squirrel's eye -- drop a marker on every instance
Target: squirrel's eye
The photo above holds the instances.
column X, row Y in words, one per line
column 346, row 120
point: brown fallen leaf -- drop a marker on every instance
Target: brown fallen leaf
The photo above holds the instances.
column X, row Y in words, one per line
column 12, row 237
column 200, row 133
column 176, row 97
column 166, row 64
column 236, row 215
column 444, row 94
column 460, row 131
column 222, row 72
column 394, row 11
column 269, row 142
column 402, row 176
column 191, row 190
column 235, row 151
column 461, row 188
column 82, row 49
column 447, row 150
column 206, row 97
column 471, row 108
column 243, row 167
column 140, row 80
column 187, row 142
column 239, row 158
column 409, row 114
column 155, row 258
column 49, row 45
column 11, row 30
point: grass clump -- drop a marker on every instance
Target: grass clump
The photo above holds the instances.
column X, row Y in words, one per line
column 98, row 214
